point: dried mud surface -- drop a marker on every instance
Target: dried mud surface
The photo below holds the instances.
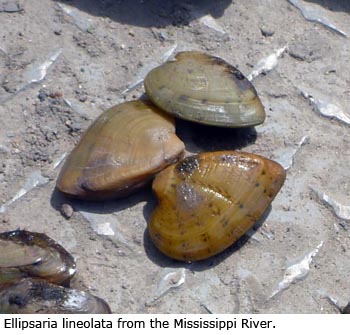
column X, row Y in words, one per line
column 104, row 47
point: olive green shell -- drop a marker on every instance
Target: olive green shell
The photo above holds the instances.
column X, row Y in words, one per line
column 205, row 89
column 208, row 201
column 120, row 152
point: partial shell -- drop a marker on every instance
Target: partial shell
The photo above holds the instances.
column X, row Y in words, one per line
column 24, row 253
column 205, row 89
column 120, row 152
column 33, row 296
column 346, row 309
column 208, row 201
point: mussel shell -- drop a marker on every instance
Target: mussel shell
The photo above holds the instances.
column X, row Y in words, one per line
column 205, row 89
column 30, row 296
column 208, row 201
column 24, row 253
column 120, row 152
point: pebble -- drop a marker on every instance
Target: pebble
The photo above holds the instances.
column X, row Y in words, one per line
column 10, row 6
column 66, row 211
column 42, row 96
column 266, row 32
column 328, row 70
column 4, row 149
column 305, row 52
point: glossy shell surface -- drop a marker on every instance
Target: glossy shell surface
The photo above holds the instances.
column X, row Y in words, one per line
column 205, row 89
column 25, row 253
column 208, row 201
column 33, row 296
column 120, row 152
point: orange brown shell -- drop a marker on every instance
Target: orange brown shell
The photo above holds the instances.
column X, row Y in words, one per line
column 208, row 201
column 120, row 152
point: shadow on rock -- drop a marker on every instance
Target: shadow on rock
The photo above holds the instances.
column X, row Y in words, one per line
column 101, row 207
column 333, row 5
column 151, row 13
column 198, row 138
column 161, row 260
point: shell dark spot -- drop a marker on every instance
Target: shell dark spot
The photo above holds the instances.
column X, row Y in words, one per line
column 236, row 73
column 204, row 101
column 157, row 236
column 225, row 224
column 48, row 293
column 228, row 158
column 184, row 245
column 216, row 211
column 18, row 300
column 18, row 235
column 263, row 172
column 85, row 185
column 188, row 165
column 257, row 184
column 205, row 237
column 183, row 98
column 228, row 67
column 218, row 61
column 241, row 206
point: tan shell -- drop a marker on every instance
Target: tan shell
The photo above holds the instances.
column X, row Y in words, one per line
column 33, row 296
column 205, row 89
column 25, row 253
column 120, row 152
column 208, row 201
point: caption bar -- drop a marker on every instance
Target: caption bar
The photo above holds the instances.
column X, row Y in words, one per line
column 123, row 323
column 187, row 324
